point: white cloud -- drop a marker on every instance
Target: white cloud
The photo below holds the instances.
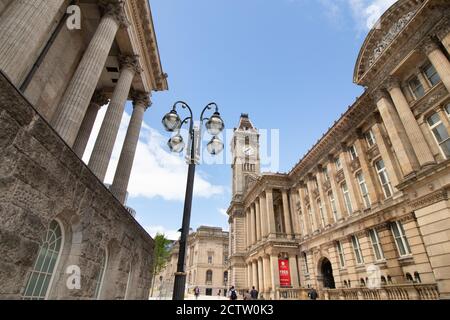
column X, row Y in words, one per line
column 170, row 234
column 223, row 211
column 156, row 172
column 367, row 12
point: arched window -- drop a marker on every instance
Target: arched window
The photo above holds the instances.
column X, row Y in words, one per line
column 209, row 275
column 225, row 278
column 389, row 279
column 349, row 283
column 41, row 276
column 417, row 277
column 409, row 277
column 383, row 280
column 101, row 273
column 362, row 282
column 345, row 284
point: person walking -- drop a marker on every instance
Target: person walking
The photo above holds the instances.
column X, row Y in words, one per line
column 233, row 294
column 219, row 293
column 196, row 292
column 254, row 293
column 247, row 295
column 312, row 294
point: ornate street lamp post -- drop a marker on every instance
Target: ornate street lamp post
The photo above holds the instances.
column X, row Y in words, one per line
column 173, row 123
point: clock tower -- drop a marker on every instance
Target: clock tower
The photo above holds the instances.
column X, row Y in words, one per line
column 245, row 150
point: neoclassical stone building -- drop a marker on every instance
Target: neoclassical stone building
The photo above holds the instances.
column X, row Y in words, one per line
column 373, row 191
column 206, row 263
column 56, row 214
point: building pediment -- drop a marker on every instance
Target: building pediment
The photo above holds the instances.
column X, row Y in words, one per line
column 384, row 35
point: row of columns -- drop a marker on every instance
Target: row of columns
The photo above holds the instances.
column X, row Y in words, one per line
column 260, row 217
column 25, row 26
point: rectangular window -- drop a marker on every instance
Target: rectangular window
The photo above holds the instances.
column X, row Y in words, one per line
column 348, row 203
column 370, row 138
column 210, row 258
column 384, row 178
column 363, row 188
column 305, row 260
column 400, row 239
column 340, row 250
column 416, row 87
column 447, row 110
column 353, row 152
column 338, row 164
column 333, row 205
column 322, row 215
column 325, row 174
column 376, row 245
column 431, row 74
column 357, row 250
column 440, row 133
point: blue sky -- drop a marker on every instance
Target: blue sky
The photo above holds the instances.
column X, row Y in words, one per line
column 287, row 63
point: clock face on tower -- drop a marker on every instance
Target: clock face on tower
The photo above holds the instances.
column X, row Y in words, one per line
column 248, row 151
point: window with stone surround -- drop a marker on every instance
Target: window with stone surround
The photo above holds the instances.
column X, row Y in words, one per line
column 440, row 132
column 363, row 188
column 357, row 250
column 431, row 74
column 346, row 194
column 384, row 178
column 311, row 218
column 325, row 174
column 416, row 87
column 210, row 257
column 322, row 215
column 376, row 245
column 209, row 276
column 41, row 276
column 338, row 164
column 333, row 205
column 400, row 239
column 370, row 138
column 353, row 153
column 340, row 251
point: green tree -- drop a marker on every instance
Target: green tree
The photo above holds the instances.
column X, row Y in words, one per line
column 161, row 253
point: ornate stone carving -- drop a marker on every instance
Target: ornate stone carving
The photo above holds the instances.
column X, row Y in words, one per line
column 379, row 94
column 355, row 165
column 430, row 100
column 141, row 98
column 429, row 44
column 443, row 28
column 390, row 36
column 99, row 98
column 340, row 176
column 392, row 83
column 411, row 216
column 116, row 10
column 429, row 199
column 131, row 62
column 372, row 153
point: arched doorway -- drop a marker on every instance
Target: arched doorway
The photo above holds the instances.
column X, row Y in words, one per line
column 327, row 274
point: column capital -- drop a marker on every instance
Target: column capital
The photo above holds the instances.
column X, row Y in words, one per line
column 429, row 45
column 141, row 98
column 130, row 62
column 99, row 98
column 391, row 83
column 116, row 10
column 379, row 94
column 444, row 28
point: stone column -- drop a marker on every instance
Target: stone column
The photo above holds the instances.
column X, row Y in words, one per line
column 305, row 221
column 263, row 211
column 141, row 102
column 286, row 212
column 386, row 155
column 335, row 188
column 275, row 275
column 403, row 149
column 444, row 33
column 420, row 146
column 260, row 276
column 252, row 224
column 24, row 26
column 248, row 235
column 101, row 155
column 294, row 212
column 98, row 100
column 313, row 205
column 366, row 169
column 438, row 59
column 327, row 211
column 267, row 274
column 270, row 213
column 67, row 119
column 254, row 274
column 293, row 271
column 350, row 180
column 258, row 220
column 249, row 275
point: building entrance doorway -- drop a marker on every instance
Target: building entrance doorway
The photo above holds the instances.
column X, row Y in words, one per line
column 327, row 274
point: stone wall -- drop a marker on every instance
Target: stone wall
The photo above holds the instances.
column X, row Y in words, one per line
column 3, row 4
column 41, row 179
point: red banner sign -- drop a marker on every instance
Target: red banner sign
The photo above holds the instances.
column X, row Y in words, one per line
column 285, row 276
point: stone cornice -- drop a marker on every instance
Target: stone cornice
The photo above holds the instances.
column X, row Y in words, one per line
column 429, row 199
